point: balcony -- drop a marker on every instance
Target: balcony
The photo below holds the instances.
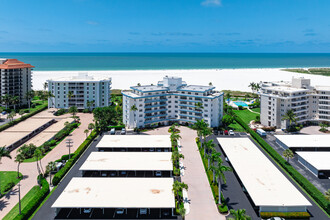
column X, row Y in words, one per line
column 155, row 115
column 155, row 100
column 192, row 116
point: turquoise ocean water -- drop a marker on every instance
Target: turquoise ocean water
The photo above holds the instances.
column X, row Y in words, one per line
column 139, row 61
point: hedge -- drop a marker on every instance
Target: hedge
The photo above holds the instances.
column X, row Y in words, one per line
column 300, row 179
column 286, row 215
column 80, row 150
column 116, row 127
column 35, row 202
column 24, row 117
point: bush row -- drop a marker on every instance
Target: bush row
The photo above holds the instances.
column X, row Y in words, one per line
column 35, row 201
column 116, row 127
column 24, row 117
column 61, row 173
column 286, row 215
column 300, row 179
column 65, row 157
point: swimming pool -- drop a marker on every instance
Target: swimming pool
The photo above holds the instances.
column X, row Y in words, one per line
column 241, row 104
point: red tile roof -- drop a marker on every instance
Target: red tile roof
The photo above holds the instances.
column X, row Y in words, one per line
column 14, row 64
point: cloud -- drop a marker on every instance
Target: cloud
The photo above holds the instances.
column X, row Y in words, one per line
column 210, row 3
column 92, row 22
column 174, row 34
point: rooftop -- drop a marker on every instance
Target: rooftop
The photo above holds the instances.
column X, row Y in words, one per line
column 319, row 160
column 304, row 140
column 81, row 77
column 150, row 88
column 13, row 64
column 117, row 193
column 128, row 161
column 196, row 88
column 135, row 141
column 266, row 185
column 286, row 89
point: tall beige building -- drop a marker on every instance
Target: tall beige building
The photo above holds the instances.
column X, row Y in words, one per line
column 15, row 79
column 311, row 104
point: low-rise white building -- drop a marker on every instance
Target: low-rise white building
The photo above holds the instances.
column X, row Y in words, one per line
column 310, row 104
column 171, row 100
column 87, row 92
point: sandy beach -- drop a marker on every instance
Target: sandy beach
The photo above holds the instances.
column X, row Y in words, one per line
column 223, row 79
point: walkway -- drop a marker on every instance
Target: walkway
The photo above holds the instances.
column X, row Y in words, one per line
column 29, row 170
column 202, row 205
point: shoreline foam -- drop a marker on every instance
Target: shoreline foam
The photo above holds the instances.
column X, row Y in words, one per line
column 222, row 79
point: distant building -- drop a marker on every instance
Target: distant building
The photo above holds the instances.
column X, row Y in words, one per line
column 171, row 100
column 310, row 104
column 87, row 92
column 15, row 79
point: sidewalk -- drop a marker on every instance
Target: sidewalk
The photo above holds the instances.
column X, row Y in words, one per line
column 202, row 205
column 29, row 170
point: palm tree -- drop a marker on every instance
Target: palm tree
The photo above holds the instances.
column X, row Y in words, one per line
column 253, row 86
column 51, row 166
column 28, row 96
column 208, row 146
column 70, row 95
column 19, row 159
column 86, row 131
column 91, row 126
column 178, row 187
column 174, row 138
column 182, row 212
column 173, row 129
column 290, row 116
column 15, row 101
column 176, row 157
column 288, row 154
column 37, row 155
column 219, row 172
column 139, row 84
column 4, row 153
column 6, row 99
column 200, row 125
column 49, row 95
column 210, row 84
column 239, row 215
column 228, row 96
column 134, row 109
column 327, row 195
column 73, row 110
column 90, row 104
column 45, row 85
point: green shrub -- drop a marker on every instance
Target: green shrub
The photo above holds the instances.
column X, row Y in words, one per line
column 116, row 127
column 223, row 208
column 35, row 202
column 286, row 215
column 7, row 187
column 66, row 156
column 61, row 111
column 300, row 179
column 86, row 110
column 61, row 173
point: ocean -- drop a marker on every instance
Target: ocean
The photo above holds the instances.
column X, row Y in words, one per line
column 159, row 61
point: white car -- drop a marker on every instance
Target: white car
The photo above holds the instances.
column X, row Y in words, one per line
column 143, row 211
column 231, row 132
column 87, row 211
column 120, row 211
column 158, row 173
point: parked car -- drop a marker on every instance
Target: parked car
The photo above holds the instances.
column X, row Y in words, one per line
column 231, row 132
column 158, row 173
column 159, row 150
column 123, row 131
column 143, row 211
column 151, row 149
column 120, row 211
column 123, row 173
column 87, row 211
column 112, row 131
column 226, row 132
column 113, row 173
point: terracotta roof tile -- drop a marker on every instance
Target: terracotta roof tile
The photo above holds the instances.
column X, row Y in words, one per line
column 14, row 64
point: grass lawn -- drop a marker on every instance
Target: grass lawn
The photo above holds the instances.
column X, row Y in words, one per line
column 236, row 127
column 246, row 115
column 25, row 200
column 7, row 177
column 255, row 109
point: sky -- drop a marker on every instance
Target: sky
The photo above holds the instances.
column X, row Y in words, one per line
column 244, row 26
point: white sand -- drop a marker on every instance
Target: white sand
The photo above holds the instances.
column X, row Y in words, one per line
column 224, row 79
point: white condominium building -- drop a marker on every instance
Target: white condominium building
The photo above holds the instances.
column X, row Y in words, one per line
column 171, row 100
column 87, row 92
column 15, row 79
column 310, row 104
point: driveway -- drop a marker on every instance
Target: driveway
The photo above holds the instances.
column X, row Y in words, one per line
column 29, row 170
column 202, row 205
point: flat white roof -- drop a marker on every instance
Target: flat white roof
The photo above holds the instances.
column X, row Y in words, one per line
column 319, row 160
column 128, row 161
column 266, row 185
column 117, row 193
column 304, row 140
column 135, row 141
